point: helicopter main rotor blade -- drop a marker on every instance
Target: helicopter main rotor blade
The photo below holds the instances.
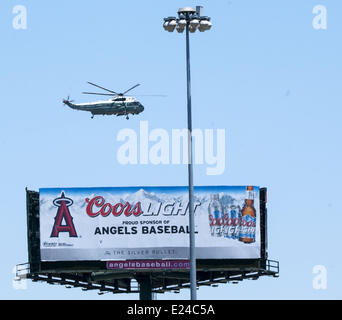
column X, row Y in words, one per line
column 95, row 85
column 150, row 95
column 100, row 94
column 131, row 88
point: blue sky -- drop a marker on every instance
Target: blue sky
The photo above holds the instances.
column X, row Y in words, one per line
column 263, row 73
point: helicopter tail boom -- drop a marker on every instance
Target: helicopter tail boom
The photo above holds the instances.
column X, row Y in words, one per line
column 69, row 104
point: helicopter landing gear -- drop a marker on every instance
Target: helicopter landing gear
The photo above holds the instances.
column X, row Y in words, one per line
column 92, row 117
column 124, row 104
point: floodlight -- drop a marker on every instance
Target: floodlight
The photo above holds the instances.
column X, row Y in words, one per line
column 209, row 25
column 166, row 23
column 194, row 23
column 182, row 23
column 180, row 28
column 205, row 24
column 170, row 24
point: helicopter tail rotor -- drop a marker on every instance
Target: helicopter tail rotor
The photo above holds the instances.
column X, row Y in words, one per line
column 67, row 100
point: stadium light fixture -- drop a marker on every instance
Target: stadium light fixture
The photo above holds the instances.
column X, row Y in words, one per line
column 190, row 20
column 181, row 24
column 170, row 24
column 204, row 24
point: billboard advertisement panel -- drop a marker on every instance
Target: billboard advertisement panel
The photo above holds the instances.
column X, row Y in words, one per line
column 130, row 223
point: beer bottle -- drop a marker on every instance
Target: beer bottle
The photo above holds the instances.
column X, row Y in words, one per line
column 248, row 218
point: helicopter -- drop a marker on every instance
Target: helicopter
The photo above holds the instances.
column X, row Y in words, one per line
column 118, row 104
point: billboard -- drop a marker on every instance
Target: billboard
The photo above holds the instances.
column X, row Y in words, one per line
column 132, row 223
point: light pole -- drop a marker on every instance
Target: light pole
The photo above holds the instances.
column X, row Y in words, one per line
column 190, row 20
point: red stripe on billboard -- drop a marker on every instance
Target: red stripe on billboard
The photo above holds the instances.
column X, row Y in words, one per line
column 148, row 264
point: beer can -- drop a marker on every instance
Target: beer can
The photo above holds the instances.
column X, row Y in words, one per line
column 216, row 218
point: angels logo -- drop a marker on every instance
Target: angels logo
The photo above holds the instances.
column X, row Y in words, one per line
column 63, row 214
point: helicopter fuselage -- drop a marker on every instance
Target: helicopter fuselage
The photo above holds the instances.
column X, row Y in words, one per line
column 117, row 106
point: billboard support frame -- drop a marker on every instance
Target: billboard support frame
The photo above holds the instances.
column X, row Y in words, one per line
column 145, row 287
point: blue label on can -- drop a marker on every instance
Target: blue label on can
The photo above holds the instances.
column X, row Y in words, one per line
column 247, row 227
column 217, row 214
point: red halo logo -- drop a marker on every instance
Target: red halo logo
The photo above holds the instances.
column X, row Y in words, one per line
column 63, row 213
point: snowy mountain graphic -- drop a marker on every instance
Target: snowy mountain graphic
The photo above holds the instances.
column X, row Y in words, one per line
column 226, row 199
column 142, row 196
